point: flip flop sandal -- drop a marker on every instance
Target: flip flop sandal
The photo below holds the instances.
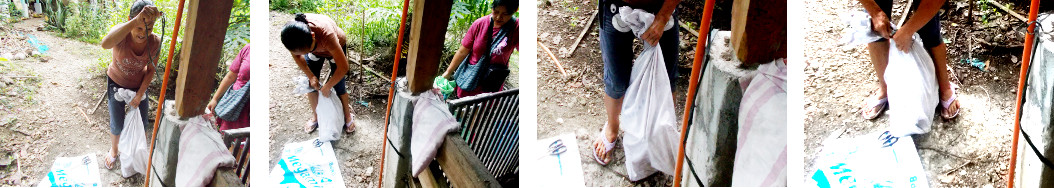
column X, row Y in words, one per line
column 878, row 105
column 110, row 161
column 310, row 126
column 348, row 127
column 948, row 103
column 608, row 146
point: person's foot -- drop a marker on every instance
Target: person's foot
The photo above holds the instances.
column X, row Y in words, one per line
column 111, row 159
column 310, row 126
column 949, row 103
column 349, row 124
column 874, row 107
column 603, row 145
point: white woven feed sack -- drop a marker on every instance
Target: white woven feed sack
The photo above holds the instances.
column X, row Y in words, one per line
column 648, row 117
column 132, row 144
column 330, row 116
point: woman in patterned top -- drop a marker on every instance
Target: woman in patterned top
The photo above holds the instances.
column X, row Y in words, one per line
column 135, row 52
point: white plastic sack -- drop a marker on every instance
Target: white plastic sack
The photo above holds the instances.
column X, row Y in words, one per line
column 301, row 85
column 858, row 29
column 307, row 164
column 761, row 152
column 911, row 89
column 647, row 111
column 330, row 116
column 432, row 121
column 910, row 79
column 79, row 171
column 866, row 162
column 201, row 152
column 132, row 145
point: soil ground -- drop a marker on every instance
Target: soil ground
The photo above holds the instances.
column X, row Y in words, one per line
column 53, row 117
column 970, row 151
column 574, row 104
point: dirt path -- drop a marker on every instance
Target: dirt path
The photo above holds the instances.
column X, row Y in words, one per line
column 359, row 152
column 574, row 104
column 970, row 151
column 58, row 123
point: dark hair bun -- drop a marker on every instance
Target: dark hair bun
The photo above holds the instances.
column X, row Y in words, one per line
column 300, row 17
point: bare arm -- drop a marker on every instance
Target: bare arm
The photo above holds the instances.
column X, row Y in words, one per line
column 460, row 56
column 302, row 64
column 655, row 31
column 147, row 78
column 117, row 33
column 227, row 81
column 342, row 66
column 879, row 21
column 923, row 14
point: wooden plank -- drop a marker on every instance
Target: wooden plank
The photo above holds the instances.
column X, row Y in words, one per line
column 202, row 49
column 428, row 180
column 585, row 30
column 759, row 30
column 427, row 33
column 225, row 177
column 461, row 165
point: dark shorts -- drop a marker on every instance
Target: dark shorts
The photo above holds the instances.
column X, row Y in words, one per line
column 616, row 49
column 117, row 108
column 316, row 70
column 930, row 33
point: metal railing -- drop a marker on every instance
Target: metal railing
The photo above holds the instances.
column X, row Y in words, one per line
column 490, row 125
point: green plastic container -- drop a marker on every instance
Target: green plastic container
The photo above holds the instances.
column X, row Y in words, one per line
column 444, row 85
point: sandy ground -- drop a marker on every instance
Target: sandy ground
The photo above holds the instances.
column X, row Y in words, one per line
column 970, row 151
column 58, row 122
column 574, row 104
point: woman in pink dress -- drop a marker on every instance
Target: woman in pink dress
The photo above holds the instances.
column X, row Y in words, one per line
column 237, row 77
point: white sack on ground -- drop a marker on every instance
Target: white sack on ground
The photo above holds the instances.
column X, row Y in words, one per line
column 201, row 152
column 432, row 121
column 132, row 144
column 911, row 83
column 761, row 150
column 307, row 164
column 330, row 116
column 648, row 116
column 79, row 171
column 871, row 160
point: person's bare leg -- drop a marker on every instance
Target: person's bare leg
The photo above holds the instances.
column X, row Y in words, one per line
column 312, row 99
column 345, row 101
column 939, row 54
column 114, row 139
column 879, row 52
column 610, row 132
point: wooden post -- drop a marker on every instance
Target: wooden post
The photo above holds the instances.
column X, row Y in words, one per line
column 759, row 30
column 202, row 49
column 426, row 42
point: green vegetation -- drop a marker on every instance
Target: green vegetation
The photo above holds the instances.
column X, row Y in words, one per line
column 20, row 90
column 373, row 25
column 90, row 22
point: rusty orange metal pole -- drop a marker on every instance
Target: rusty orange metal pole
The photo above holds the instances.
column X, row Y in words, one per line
column 164, row 83
column 391, row 90
column 697, row 65
column 1033, row 12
